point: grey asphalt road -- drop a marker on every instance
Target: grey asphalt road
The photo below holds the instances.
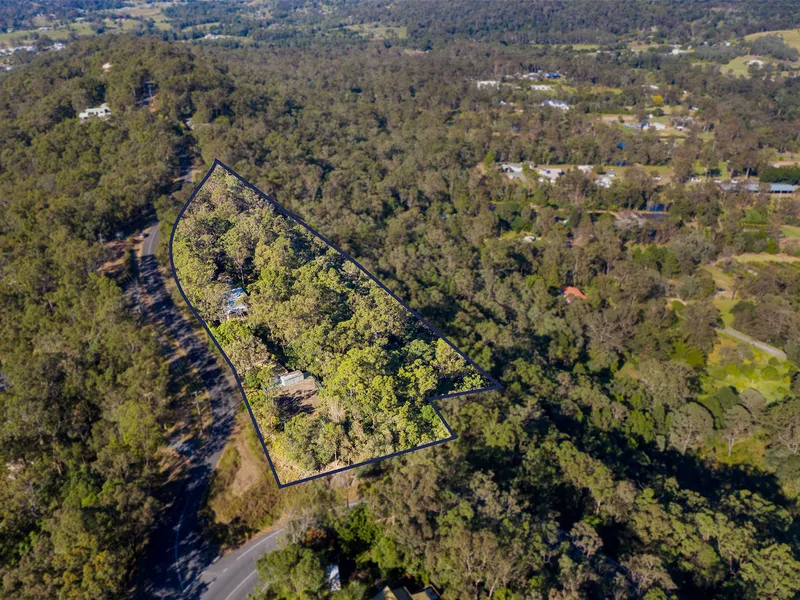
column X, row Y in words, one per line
column 233, row 576
column 179, row 563
column 761, row 345
column 177, row 555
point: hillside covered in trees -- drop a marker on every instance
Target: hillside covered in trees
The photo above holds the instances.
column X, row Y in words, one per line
column 308, row 308
column 646, row 443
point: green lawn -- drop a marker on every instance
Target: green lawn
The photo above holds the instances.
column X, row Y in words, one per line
column 763, row 257
column 63, row 33
column 724, row 306
column 761, row 371
column 790, row 231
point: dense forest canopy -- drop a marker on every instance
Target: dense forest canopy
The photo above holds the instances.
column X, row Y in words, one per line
column 647, row 441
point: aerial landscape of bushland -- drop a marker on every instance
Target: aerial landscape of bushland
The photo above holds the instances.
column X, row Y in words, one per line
column 308, row 308
column 596, row 202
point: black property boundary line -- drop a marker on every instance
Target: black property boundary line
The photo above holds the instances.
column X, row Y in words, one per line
column 290, row 215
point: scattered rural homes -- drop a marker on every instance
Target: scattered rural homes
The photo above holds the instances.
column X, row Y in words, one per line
column 559, row 104
column 99, row 112
column 772, row 188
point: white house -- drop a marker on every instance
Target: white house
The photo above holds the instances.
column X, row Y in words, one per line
column 107, row 67
column 541, row 88
column 512, row 170
column 489, row 83
column 559, row 104
column 101, row 111
column 291, row 378
column 586, row 169
column 604, row 181
column 550, row 174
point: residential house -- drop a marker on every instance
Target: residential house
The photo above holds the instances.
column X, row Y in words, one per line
column 550, row 174
column 585, row 169
column 107, row 67
column 559, row 104
column 101, row 111
column 571, row 294
column 291, row 378
column 539, row 87
column 489, row 83
column 655, row 125
column 751, row 186
column 235, row 302
column 512, row 170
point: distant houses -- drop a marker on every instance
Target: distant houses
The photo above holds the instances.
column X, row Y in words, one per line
column 99, row 112
column 551, row 175
column 512, row 170
column 571, row 294
column 489, row 83
column 751, row 186
column 559, row 104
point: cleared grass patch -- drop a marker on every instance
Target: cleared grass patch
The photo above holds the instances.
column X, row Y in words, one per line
column 378, row 31
column 741, row 366
column 791, row 231
column 791, row 37
column 763, row 257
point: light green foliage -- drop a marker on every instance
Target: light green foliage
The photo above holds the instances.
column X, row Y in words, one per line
column 377, row 364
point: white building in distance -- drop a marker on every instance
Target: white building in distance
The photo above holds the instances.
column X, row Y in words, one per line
column 100, row 111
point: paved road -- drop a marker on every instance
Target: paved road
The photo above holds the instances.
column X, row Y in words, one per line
column 177, row 555
column 179, row 563
column 761, row 345
column 233, row 576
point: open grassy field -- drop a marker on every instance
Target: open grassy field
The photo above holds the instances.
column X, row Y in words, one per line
column 724, row 306
column 379, row 31
column 62, row 33
column 791, row 231
column 763, row 257
column 791, row 37
column 739, row 65
column 741, row 366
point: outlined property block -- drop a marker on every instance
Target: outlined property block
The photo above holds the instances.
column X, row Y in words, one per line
column 335, row 370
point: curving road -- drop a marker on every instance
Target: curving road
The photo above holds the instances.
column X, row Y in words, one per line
column 178, row 562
